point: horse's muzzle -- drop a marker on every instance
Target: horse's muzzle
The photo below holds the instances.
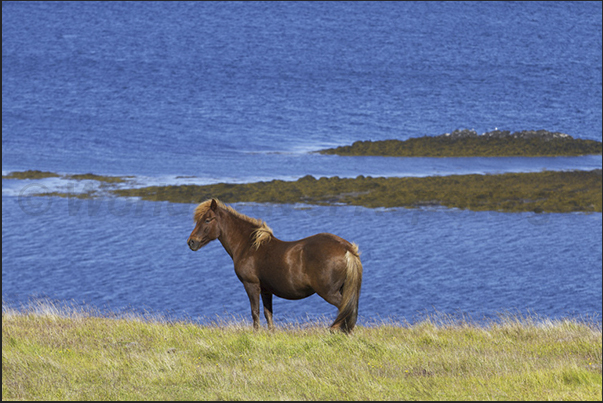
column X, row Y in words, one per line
column 194, row 245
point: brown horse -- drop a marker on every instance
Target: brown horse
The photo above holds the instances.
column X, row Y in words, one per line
column 324, row 263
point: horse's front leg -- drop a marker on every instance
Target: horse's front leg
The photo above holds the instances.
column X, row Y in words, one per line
column 267, row 301
column 253, row 292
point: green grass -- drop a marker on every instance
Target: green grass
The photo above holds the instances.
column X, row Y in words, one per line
column 441, row 146
column 57, row 355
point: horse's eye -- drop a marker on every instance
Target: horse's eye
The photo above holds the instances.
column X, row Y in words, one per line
column 207, row 221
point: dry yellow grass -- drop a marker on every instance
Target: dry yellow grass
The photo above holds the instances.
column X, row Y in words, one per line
column 55, row 354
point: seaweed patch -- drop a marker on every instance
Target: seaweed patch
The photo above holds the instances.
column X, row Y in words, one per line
column 467, row 143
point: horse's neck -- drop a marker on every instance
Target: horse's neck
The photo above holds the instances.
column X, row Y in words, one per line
column 235, row 234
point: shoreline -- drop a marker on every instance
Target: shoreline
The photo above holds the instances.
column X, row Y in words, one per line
column 548, row 191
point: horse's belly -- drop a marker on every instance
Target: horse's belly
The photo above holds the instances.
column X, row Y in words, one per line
column 286, row 285
column 286, row 291
column 294, row 295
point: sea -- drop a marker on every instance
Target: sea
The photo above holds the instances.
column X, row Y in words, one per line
column 174, row 93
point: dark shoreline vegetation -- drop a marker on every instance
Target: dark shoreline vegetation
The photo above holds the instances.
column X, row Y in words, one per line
column 548, row 191
column 467, row 143
column 555, row 192
column 35, row 174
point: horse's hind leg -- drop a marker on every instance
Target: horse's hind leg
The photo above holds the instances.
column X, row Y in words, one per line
column 267, row 301
column 333, row 297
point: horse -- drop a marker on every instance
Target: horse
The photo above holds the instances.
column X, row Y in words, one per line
column 324, row 263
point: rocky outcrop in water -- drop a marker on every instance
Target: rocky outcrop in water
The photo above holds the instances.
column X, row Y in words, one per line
column 502, row 134
column 468, row 143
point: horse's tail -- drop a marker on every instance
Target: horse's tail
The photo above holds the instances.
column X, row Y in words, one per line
column 348, row 310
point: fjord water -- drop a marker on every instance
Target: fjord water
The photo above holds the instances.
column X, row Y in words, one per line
column 172, row 88
column 238, row 92
column 132, row 255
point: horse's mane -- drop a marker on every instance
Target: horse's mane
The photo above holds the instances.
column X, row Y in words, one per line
column 262, row 233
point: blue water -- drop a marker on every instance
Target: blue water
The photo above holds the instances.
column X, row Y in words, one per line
column 201, row 92
column 117, row 254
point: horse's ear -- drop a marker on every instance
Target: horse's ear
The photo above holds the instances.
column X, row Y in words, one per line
column 214, row 205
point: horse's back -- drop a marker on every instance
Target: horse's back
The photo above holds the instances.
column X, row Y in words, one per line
column 324, row 256
column 326, row 245
column 321, row 245
column 294, row 269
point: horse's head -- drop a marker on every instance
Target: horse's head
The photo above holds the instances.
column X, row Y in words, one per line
column 207, row 228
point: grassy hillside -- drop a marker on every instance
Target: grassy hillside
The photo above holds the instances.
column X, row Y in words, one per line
column 52, row 355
